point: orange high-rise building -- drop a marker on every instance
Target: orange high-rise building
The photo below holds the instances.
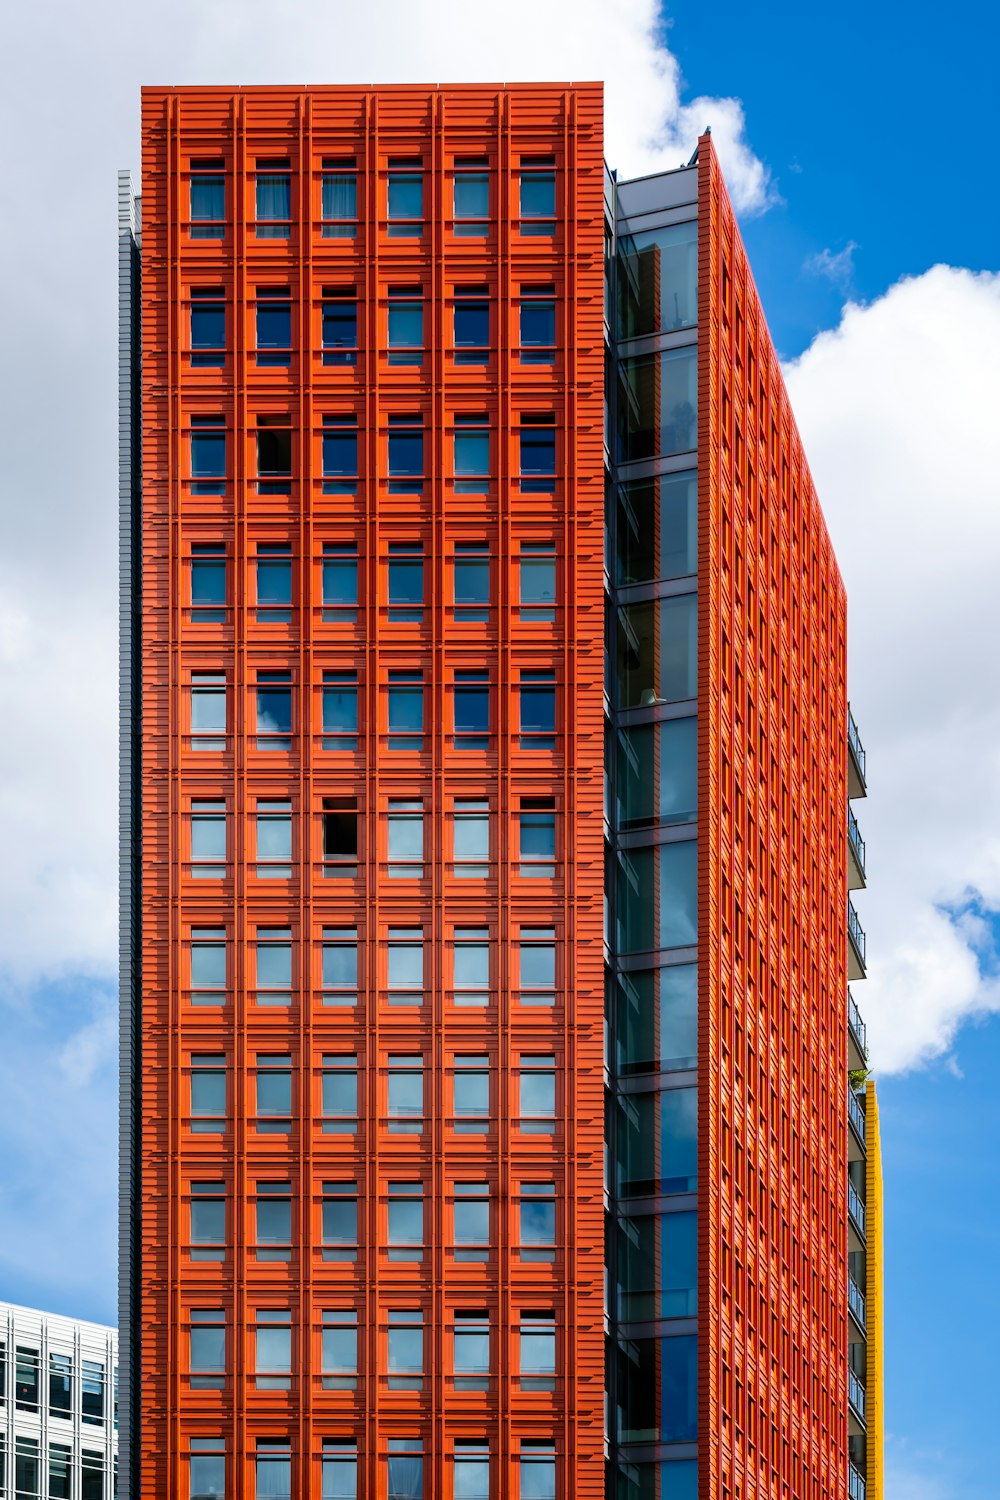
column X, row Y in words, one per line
column 485, row 868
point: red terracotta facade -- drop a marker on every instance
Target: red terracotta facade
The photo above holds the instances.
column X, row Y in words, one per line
column 237, row 130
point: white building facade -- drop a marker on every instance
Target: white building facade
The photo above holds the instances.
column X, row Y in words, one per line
column 58, row 1407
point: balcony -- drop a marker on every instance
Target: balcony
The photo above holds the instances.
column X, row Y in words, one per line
column 857, row 1304
column 856, row 1115
column 855, row 854
column 856, row 1395
column 855, row 1484
column 856, row 1214
column 856, row 946
column 857, row 1037
column 856, row 786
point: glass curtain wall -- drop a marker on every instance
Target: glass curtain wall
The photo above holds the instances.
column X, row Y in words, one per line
column 652, row 806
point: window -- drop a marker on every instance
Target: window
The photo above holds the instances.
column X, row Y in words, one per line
column 208, row 840
column 339, row 1093
column 471, row 1213
column 658, row 404
column 26, row 1468
column 537, row 572
column 274, row 454
column 274, row 582
column 340, row 837
column 273, row 1340
column 471, row 581
column 472, row 325
column 405, row 710
column 207, row 1348
column 657, row 1025
column 340, row 966
column 658, row 280
column 340, row 199
column 208, row 200
column 405, row 1220
column 538, row 1351
column 92, row 1474
column 471, row 198
column 538, row 710
column 471, row 1084
column 472, row 1470
column 656, row 530
column 92, row 1392
column 472, row 454
column 538, row 325
column 537, row 1101
column 25, row 1378
column 208, row 327
column 405, row 966
column 274, row 325
column 538, row 837
column 208, row 1221
column 339, row 1349
column 656, row 1142
column 208, row 711
column 208, row 1093
column 406, row 456
column 537, row 1215
column 538, row 452
column 472, row 1351
column 406, row 581
column 274, row 840
column 471, row 962
column 405, row 326
column 340, row 1221
column 339, row 710
column 405, row 1470
column 274, row 200
column 274, row 710
column 274, row 966
column 208, row 455
column 274, row 1094
column 274, row 1470
column 208, row 583
column 60, row 1471
column 340, row 465
column 273, row 1210
column 537, row 1471
column 405, row 198
column 339, row 326
column 538, row 195
column 208, row 966
column 471, row 833
column 405, row 1094
column 472, row 709
column 207, row 1465
column 60, row 1385
column 405, row 1364
column 405, row 838
column 340, row 582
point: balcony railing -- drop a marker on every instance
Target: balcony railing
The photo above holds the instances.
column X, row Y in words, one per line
column 854, row 740
column 856, row 1114
column 856, row 1024
column 856, row 841
column 856, row 1394
column 855, row 1484
column 856, row 1301
column 856, row 1209
column 856, row 931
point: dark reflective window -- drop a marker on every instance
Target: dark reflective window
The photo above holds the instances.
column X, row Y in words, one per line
column 656, row 1142
column 657, row 1261
column 658, row 404
column 658, row 1390
column 657, row 528
column 657, row 1019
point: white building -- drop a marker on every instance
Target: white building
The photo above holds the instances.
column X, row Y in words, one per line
column 58, row 1407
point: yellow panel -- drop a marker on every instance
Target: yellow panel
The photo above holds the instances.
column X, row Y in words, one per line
column 874, row 1292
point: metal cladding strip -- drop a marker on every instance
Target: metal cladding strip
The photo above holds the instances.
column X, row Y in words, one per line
column 129, row 719
column 772, row 944
column 373, row 128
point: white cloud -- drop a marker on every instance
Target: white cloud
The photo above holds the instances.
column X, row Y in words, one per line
column 835, row 265
column 57, row 279
column 897, row 408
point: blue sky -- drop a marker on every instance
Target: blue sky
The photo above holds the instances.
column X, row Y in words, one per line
column 858, row 145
